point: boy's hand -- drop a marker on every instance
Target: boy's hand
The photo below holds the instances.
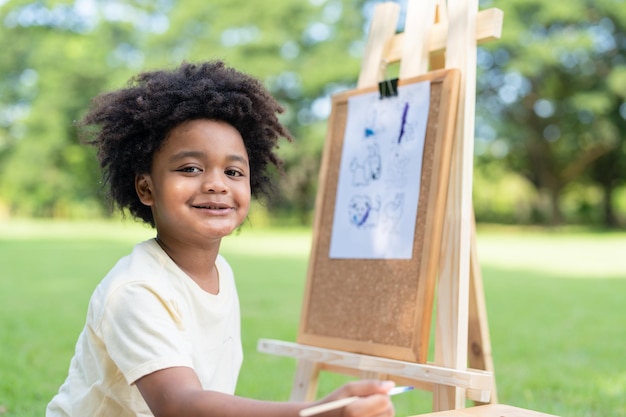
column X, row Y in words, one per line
column 375, row 401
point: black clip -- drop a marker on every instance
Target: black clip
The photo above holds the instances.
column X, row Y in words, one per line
column 388, row 88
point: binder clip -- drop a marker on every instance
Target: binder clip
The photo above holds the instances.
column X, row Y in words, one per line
column 388, row 88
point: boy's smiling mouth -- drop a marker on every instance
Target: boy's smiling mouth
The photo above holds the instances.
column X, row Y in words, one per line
column 212, row 206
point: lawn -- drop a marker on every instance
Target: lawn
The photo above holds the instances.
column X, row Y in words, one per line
column 556, row 303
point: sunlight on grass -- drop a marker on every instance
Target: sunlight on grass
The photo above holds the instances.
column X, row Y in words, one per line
column 249, row 239
column 116, row 230
column 259, row 242
column 574, row 255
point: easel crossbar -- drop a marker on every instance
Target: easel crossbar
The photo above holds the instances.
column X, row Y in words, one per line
column 488, row 28
column 478, row 381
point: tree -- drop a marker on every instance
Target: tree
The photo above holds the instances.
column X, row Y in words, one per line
column 545, row 88
column 609, row 170
column 60, row 60
column 62, row 53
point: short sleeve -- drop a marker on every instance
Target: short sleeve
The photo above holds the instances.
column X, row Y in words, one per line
column 143, row 332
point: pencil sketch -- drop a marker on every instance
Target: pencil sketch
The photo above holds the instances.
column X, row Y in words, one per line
column 379, row 175
column 393, row 213
column 364, row 212
column 368, row 169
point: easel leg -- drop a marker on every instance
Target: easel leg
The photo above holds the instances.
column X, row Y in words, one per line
column 479, row 343
column 305, row 381
column 454, row 272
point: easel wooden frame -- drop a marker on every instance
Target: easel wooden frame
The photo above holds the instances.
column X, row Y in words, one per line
column 382, row 307
column 436, row 36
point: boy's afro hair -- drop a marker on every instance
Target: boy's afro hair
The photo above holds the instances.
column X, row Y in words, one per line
column 129, row 125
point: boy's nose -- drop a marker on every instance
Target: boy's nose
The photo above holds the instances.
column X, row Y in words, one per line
column 214, row 183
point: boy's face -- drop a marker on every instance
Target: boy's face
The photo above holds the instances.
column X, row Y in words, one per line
column 199, row 186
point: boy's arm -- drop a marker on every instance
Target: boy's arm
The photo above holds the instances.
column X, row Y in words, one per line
column 177, row 392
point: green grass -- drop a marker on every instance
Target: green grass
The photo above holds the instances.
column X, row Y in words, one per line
column 556, row 305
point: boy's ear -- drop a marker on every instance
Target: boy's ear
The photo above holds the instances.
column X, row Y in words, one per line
column 143, row 186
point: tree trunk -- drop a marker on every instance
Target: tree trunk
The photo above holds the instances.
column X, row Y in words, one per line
column 610, row 218
column 556, row 217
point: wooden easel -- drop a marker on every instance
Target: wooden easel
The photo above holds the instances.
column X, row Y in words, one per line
column 435, row 36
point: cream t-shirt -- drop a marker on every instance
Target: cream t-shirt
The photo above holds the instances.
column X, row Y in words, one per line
column 147, row 315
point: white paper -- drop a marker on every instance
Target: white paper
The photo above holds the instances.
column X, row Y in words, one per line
column 379, row 175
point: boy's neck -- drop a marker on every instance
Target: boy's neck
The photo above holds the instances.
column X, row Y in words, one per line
column 197, row 263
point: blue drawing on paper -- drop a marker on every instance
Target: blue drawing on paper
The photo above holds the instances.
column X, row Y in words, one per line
column 363, row 211
column 403, row 124
column 368, row 168
column 379, row 176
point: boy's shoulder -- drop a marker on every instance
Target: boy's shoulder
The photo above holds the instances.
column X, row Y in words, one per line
column 142, row 262
column 149, row 267
column 143, row 266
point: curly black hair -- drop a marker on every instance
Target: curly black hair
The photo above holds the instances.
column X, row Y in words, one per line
column 129, row 125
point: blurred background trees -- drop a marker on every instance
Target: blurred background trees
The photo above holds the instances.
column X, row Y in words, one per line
column 551, row 112
column 552, row 109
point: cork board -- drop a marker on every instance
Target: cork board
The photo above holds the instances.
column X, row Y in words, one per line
column 381, row 307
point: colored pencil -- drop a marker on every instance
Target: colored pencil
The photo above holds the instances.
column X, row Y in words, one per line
column 332, row 405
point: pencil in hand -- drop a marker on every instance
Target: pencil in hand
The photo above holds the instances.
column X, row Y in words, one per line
column 332, row 405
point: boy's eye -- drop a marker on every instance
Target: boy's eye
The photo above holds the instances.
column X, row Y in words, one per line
column 233, row 173
column 190, row 169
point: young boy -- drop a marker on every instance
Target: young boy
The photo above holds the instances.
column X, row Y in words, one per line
column 183, row 151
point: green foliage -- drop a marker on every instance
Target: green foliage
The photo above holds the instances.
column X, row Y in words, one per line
column 551, row 104
column 57, row 73
column 549, row 89
column 501, row 196
column 59, row 56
